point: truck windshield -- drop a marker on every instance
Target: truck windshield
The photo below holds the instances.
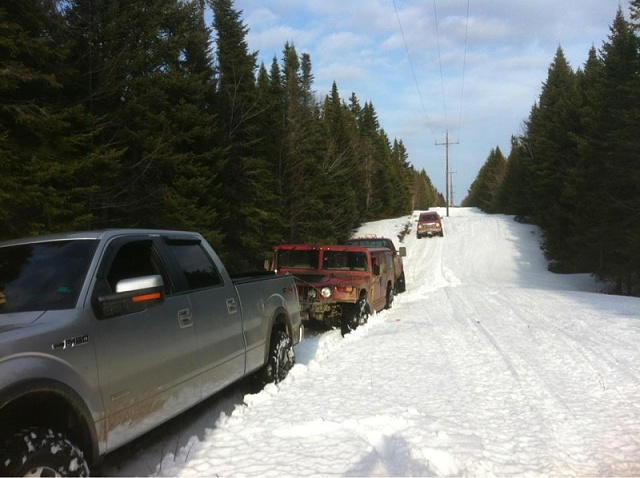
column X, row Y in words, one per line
column 344, row 261
column 298, row 259
column 43, row 276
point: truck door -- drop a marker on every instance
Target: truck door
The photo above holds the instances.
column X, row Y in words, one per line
column 379, row 288
column 217, row 315
column 147, row 361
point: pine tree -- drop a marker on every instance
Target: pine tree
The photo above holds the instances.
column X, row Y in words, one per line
column 585, row 183
column 424, row 194
column 250, row 188
column 483, row 192
column 514, row 193
column 339, row 166
column 143, row 68
column 611, row 154
column 46, row 152
column 402, row 173
column 371, row 150
column 551, row 143
column 302, row 155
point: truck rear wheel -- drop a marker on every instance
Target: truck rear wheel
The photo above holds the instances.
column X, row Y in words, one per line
column 281, row 357
column 41, row 452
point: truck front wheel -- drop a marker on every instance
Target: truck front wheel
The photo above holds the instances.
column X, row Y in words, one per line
column 354, row 315
column 41, row 452
column 401, row 285
column 281, row 357
column 389, row 301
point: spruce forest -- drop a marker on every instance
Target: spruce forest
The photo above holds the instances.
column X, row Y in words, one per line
column 141, row 113
column 575, row 171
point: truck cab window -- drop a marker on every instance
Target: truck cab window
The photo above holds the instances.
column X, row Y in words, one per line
column 135, row 259
column 198, row 268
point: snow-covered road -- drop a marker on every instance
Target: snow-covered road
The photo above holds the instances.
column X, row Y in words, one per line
column 488, row 365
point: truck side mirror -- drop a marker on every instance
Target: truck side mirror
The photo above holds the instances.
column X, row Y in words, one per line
column 376, row 269
column 132, row 295
column 403, row 251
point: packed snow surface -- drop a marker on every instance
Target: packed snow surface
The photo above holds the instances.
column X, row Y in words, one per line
column 489, row 365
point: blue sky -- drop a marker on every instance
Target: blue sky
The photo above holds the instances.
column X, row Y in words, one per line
column 409, row 58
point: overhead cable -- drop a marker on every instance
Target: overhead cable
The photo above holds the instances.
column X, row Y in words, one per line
column 413, row 72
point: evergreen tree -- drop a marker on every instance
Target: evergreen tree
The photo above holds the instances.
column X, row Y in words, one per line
column 370, row 157
column 306, row 215
column 143, row 69
column 484, row 190
column 586, row 186
column 424, row 194
column 551, row 139
column 249, row 182
column 339, row 166
column 581, row 150
column 45, row 143
column 364, row 171
column 611, row 154
column 514, row 192
column 401, row 174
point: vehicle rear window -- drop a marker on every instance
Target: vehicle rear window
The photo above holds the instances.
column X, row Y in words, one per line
column 43, row 276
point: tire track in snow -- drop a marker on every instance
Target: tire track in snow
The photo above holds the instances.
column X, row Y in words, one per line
column 559, row 379
column 529, row 389
column 507, row 314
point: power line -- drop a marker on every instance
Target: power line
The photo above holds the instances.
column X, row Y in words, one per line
column 413, row 72
column 444, row 101
column 464, row 66
column 447, row 143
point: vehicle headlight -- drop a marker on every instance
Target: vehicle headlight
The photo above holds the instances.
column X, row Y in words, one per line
column 326, row 292
column 312, row 294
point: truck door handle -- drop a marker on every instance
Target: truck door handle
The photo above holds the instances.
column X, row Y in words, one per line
column 185, row 318
column 232, row 308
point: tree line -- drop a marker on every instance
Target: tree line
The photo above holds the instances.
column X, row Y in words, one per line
column 137, row 113
column 575, row 171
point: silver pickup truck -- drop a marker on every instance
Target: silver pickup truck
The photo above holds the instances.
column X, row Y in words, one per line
column 105, row 335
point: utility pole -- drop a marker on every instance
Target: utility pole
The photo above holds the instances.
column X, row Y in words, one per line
column 451, row 201
column 446, row 177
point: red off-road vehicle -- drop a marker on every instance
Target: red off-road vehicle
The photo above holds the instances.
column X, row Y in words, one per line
column 338, row 285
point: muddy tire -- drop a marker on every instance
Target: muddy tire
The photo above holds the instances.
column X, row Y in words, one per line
column 355, row 315
column 41, row 452
column 389, row 303
column 281, row 358
column 401, row 285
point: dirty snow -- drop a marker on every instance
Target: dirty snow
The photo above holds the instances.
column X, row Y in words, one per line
column 488, row 365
